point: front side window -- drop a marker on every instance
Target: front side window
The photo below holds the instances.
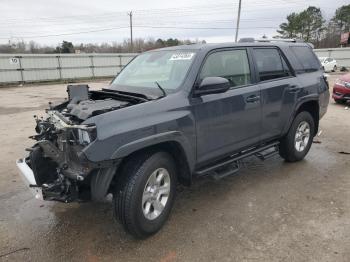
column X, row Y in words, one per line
column 270, row 64
column 232, row 65
column 167, row 68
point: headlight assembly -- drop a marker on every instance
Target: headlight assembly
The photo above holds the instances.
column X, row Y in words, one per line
column 85, row 136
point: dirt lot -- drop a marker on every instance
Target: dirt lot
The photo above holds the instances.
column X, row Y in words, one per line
column 270, row 211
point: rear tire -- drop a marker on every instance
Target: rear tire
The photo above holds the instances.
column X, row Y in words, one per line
column 296, row 144
column 141, row 202
column 334, row 69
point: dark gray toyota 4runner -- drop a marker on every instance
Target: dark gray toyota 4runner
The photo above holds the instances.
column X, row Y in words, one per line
column 171, row 115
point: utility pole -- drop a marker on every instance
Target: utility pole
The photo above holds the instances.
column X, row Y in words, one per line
column 131, row 39
column 238, row 18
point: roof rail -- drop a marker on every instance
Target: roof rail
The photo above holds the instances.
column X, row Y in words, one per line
column 251, row 40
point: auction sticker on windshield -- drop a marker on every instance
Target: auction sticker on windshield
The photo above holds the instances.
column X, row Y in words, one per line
column 182, row 56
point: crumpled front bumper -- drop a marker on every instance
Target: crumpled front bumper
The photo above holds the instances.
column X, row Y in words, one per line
column 28, row 178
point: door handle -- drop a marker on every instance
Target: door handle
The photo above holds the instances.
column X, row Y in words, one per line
column 252, row 99
column 293, row 89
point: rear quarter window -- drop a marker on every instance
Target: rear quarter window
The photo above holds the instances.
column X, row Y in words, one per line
column 306, row 58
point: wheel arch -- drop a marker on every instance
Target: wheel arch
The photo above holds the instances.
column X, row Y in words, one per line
column 176, row 150
column 311, row 106
column 172, row 142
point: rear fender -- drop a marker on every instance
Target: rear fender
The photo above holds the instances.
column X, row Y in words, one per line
column 300, row 103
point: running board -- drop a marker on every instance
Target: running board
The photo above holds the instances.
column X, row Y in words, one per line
column 229, row 170
column 230, row 165
column 268, row 153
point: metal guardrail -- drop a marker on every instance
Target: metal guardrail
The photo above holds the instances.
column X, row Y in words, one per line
column 24, row 68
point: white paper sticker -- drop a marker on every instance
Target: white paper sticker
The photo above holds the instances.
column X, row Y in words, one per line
column 182, row 56
column 14, row 61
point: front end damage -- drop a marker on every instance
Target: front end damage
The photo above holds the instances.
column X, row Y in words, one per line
column 56, row 167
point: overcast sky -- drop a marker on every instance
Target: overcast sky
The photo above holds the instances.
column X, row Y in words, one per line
column 81, row 21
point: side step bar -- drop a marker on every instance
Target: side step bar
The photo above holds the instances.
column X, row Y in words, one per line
column 265, row 154
column 230, row 165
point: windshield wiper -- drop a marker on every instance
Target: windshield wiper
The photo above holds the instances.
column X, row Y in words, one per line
column 131, row 94
column 161, row 89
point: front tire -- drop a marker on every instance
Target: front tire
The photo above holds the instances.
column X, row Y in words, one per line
column 296, row 144
column 145, row 194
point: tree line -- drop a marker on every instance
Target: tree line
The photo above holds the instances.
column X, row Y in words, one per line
column 311, row 26
column 139, row 45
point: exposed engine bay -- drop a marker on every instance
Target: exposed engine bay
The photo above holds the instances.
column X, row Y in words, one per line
column 59, row 166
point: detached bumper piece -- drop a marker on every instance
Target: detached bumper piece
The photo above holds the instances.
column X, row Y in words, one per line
column 28, row 178
column 57, row 176
column 59, row 189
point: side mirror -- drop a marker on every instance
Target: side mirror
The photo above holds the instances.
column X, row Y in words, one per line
column 212, row 85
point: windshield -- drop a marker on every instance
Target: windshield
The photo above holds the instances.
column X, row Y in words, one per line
column 167, row 68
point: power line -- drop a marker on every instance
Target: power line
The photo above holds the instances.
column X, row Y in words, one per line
column 150, row 18
column 141, row 26
column 73, row 33
column 195, row 9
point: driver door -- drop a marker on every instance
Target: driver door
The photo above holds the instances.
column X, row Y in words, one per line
column 229, row 121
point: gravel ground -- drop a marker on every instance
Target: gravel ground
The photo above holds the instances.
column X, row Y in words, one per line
column 270, row 211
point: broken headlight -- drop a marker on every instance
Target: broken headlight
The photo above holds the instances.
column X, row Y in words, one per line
column 85, row 136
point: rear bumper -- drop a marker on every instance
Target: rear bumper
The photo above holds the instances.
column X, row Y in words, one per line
column 28, row 178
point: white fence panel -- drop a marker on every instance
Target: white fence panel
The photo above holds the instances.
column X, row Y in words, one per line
column 75, row 61
column 68, row 73
column 10, row 76
column 106, row 61
column 39, row 75
column 38, row 62
column 23, row 68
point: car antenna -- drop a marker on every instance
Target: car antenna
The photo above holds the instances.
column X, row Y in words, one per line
column 161, row 88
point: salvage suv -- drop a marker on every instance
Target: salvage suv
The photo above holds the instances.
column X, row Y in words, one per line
column 171, row 115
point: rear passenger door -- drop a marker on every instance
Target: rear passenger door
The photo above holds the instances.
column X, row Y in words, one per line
column 228, row 121
column 279, row 90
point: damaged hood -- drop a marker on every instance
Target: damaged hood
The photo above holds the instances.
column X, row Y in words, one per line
column 87, row 108
column 83, row 104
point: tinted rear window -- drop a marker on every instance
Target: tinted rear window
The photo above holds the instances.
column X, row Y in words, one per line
column 306, row 58
column 270, row 64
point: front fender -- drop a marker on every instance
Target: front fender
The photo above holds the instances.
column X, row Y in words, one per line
column 171, row 136
column 124, row 131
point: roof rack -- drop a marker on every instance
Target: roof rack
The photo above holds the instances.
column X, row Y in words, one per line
column 252, row 40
